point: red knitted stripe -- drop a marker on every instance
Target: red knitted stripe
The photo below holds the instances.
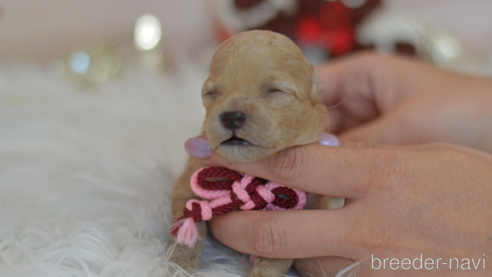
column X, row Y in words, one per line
column 251, row 187
column 218, row 172
column 195, row 213
column 283, row 203
column 260, row 203
column 225, row 209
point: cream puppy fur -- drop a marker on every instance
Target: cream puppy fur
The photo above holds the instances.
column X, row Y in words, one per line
column 261, row 97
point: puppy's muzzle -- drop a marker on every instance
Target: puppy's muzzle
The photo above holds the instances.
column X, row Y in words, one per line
column 233, row 120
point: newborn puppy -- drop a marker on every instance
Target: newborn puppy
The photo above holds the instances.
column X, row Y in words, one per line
column 261, row 97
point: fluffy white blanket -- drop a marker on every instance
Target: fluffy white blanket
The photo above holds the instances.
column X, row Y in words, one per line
column 85, row 176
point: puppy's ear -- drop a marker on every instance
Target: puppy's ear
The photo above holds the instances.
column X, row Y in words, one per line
column 316, row 86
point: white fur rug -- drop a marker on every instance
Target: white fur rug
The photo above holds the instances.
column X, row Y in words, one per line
column 85, row 176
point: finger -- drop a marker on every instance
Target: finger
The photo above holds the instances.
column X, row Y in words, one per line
column 331, row 75
column 335, row 171
column 348, row 90
column 288, row 234
column 321, row 266
column 351, row 113
column 358, row 69
column 198, row 147
column 388, row 129
column 374, row 132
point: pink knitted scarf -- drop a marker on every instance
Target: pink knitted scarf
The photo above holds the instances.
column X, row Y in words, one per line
column 229, row 191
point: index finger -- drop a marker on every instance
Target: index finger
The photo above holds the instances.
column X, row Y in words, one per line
column 334, row 171
column 347, row 92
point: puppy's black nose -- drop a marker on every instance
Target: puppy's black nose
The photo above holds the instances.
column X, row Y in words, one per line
column 233, row 120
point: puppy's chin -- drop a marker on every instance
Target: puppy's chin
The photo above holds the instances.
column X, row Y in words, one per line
column 244, row 154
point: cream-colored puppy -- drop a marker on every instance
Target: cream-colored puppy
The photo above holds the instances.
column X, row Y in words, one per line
column 261, row 97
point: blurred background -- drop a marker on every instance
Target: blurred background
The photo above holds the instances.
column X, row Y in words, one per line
column 98, row 97
column 40, row 30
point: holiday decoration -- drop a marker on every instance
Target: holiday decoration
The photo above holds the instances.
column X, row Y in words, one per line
column 423, row 37
column 101, row 60
column 229, row 191
column 146, row 39
column 90, row 65
column 321, row 28
column 390, row 32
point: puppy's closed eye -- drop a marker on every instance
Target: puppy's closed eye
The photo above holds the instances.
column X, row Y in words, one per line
column 211, row 94
column 277, row 86
column 275, row 90
column 278, row 92
column 210, row 90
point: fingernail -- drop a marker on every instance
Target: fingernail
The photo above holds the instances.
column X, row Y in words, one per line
column 198, row 148
column 329, row 140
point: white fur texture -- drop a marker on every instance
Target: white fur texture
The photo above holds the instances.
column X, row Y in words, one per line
column 85, row 176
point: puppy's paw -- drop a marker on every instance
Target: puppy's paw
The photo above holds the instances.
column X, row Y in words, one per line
column 264, row 267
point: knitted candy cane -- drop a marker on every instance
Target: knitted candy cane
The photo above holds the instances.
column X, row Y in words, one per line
column 231, row 191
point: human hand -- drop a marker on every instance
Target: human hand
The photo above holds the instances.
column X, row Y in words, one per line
column 388, row 100
column 402, row 201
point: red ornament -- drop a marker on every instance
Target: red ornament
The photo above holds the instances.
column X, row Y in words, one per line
column 340, row 41
column 309, row 30
column 335, row 15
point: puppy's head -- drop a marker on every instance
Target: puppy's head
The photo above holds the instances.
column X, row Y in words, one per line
column 261, row 97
